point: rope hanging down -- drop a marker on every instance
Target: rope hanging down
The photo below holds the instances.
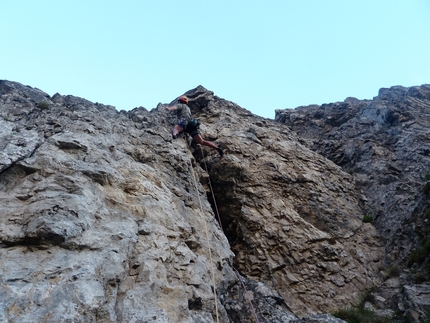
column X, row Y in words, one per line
column 219, row 220
column 209, row 245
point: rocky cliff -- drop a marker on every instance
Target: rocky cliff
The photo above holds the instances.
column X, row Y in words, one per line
column 105, row 218
column 385, row 144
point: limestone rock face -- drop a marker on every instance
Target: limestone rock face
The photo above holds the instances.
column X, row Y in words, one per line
column 292, row 217
column 100, row 220
column 105, row 218
column 385, row 144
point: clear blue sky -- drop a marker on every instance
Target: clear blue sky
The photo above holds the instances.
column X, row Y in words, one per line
column 263, row 55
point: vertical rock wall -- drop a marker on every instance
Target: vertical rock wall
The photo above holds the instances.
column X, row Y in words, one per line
column 101, row 219
column 385, row 144
column 292, row 217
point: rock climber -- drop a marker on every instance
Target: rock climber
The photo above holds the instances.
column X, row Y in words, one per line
column 188, row 124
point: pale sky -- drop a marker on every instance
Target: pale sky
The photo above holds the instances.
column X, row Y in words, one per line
column 263, row 55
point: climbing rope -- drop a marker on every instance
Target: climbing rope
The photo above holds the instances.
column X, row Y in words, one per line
column 246, row 295
column 209, row 245
column 219, row 220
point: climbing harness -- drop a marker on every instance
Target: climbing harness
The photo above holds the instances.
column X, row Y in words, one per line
column 209, row 246
column 194, row 122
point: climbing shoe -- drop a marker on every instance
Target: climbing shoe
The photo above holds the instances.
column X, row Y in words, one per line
column 175, row 136
column 220, row 151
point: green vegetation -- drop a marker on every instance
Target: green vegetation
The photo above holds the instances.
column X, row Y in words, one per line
column 354, row 315
column 420, row 254
column 44, row 105
column 360, row 315
column 426, row 188
column 422, row 275
column 420, row 260
column 427, row 213
column 367, row 218
column 392, row 271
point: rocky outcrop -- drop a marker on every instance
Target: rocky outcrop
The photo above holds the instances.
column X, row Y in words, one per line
column 105, row 218
column 292, row 217
column 99, row 217
column 385, row 144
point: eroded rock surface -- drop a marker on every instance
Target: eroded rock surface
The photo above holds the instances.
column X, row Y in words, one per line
column 103, row 218
column 100, row 220
column 292, row 217
column 385, row 144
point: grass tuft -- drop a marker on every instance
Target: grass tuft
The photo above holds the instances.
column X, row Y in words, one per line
column 367, row 218
column 360, row 315
column 44, row 105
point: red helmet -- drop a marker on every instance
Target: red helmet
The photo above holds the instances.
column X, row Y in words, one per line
column 183, row 99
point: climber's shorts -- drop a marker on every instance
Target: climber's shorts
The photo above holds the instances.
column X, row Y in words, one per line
column 183, row 123
column 192, row 128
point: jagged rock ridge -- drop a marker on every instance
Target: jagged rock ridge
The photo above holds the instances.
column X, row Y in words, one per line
column 385, row 144
column 101, row 219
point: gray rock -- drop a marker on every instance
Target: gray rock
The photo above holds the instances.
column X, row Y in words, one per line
column 384, row 144
column 103, row 218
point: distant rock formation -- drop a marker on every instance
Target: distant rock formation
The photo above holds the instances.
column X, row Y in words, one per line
column 105, row 218
column 385, row 144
